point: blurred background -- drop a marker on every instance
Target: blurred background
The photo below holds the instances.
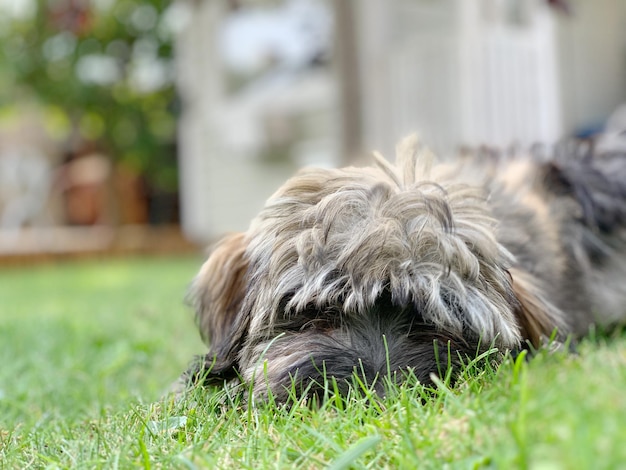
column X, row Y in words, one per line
column 145, row 125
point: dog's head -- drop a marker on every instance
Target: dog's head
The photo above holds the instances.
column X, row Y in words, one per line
column 372, row 270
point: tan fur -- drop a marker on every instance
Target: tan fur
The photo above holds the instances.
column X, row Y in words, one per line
column 537, row 317
column 219, row 290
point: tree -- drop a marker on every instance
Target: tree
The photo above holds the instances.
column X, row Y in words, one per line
column 103, row 71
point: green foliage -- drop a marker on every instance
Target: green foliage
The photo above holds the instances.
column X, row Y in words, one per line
column 102, row 70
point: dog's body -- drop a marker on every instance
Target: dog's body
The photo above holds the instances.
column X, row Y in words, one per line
column 390, row 268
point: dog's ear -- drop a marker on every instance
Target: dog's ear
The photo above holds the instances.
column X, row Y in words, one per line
column 217, row 294
column 537, row 317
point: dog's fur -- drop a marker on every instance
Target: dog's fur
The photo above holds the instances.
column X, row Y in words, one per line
column 412, row 265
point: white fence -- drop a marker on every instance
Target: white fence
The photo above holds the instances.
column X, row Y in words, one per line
column 461, row 72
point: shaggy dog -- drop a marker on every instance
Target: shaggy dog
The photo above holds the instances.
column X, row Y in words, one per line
column 410, row 266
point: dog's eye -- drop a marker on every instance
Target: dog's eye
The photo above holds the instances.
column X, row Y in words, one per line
column 318, row 324
column 312, row 318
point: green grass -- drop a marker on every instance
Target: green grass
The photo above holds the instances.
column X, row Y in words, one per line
column 86, row 350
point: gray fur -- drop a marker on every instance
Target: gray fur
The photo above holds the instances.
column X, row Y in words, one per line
column 436, row 259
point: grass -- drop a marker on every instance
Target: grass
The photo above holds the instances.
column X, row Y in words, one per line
column 86, row 350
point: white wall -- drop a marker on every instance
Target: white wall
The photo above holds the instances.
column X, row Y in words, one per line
column 495, row 72
column 455, row 71
column 592, row 61
column 459, row 72
column 224, row 177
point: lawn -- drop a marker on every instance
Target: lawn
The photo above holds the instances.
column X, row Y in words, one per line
column 87, row 349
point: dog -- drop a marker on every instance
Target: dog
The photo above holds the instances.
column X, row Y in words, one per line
column 407, row 266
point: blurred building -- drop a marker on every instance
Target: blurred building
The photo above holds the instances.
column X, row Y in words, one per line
column 459, row 72
column 258, row 102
